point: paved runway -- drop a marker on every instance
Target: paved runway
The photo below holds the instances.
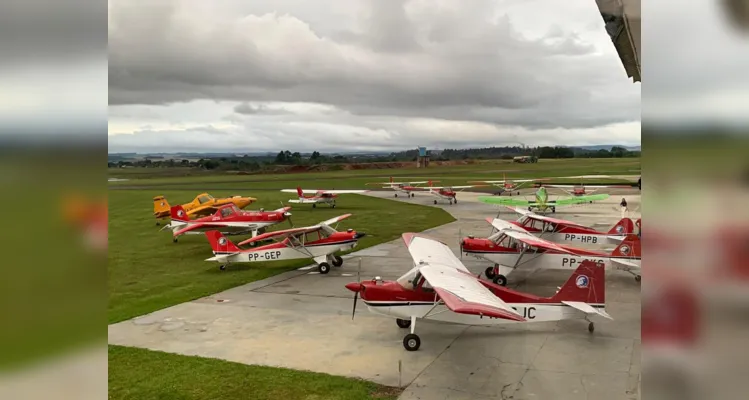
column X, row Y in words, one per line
column 302, row 320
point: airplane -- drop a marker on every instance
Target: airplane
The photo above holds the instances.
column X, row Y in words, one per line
column 402, row 187
column 568, row 232
column 508, row 186
column 319, row 242
column 318, row 196
column 580, row 190
column 542, row 201
column 203, row 204
column 439, row 287
column 447, row 192
column 511, row 247
column 229, row 219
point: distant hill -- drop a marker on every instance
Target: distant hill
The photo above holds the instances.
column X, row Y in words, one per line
column 607, row 147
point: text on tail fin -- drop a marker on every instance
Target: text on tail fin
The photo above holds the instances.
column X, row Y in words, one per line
column 219, row 243
column 623, row 227
column 629, row 247
column 587, row 284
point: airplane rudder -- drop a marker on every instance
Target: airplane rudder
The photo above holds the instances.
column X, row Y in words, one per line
column 625, row 226
column 160, row 205
column 586, row 284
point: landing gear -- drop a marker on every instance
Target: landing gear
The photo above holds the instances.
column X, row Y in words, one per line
column 553, row 209
column 530, row 208
column 403, row 323
column 333, row 205
column 323, row 267
column 174, row 239
column 314, row 205
column 157, row 223
column 500, row 280
column 518, row 193
column 396, row 195
column 638, row 278
column 591, row 327
column 222, row 267
column 337, row 261
column 489, row 272
column 411, row 342
column 455, row 200
column 413, row 195
column 435, row 202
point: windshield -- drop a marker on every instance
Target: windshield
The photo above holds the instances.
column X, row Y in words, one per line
column 204, row 199
column 227, row 212
column 409, row 278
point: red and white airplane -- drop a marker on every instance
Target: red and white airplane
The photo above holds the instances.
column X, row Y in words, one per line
column 580, row 190
column 568, row 232
column 407, row 188
column 439, row 287
column 512, row 247
column 319, row 242
column 318, row 196
column 508, row 186
column 229, row 219
column 447, row 192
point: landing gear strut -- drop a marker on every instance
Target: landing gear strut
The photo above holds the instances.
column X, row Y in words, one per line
column 493, row 274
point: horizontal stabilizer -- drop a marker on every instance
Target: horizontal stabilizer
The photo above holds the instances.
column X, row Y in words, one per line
column 221, row 258
column 625, row 264
column 587, row 308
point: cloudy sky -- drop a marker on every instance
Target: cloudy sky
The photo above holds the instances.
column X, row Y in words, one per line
column 334, row 75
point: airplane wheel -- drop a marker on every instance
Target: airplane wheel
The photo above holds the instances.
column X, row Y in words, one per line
column 413, row 195
column 174, row 240
column 530, row 208
column 396, row 195
column 518, row 193
column 411, row 342
column 500, row 280
column 403, row 323
column 222, row 267
column 333, row 206
column 553, row 209
column 314, row 205
column 435, row 202
column 591, row 327
column 324, row 268
column 451, row 203
column 489, row 273
column 456, row 201
column 638, row 278
column 337, row 261
column 157, row 223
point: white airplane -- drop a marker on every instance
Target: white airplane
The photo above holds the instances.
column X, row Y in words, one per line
column 406, row 188
column 511, row 247
column 580, row 190
column 568, row 232
column 318, row 196
column 319, row 242
column 509, row 186
column 447, row 192
column 439, row 287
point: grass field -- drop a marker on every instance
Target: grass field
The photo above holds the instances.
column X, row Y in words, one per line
column 136, row 374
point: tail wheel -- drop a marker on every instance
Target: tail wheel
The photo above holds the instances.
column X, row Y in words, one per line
column 411, row 342
column 324, row 268
column 500, row 280
column 403, row 323
column 435, row 202
column 222, row 267
column 489, row 273
column 337, row 261
column 638, row 278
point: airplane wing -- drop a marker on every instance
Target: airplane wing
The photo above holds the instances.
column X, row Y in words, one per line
column 457, row 288
column 501, row 225
column 305, row 191
column 280, row 235
column 505, row 201
column 579, row 199
column 344, row 191
column 587, row 308
column 624, row 264
column 544, row 218
column 302, row 201
column 335, row 220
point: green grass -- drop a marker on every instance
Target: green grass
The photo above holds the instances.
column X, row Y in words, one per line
column 148, row 272
column 139, row 374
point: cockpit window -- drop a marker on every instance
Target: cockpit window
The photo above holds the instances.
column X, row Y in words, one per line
column 227, row 212
column 407, row 280
column 204, row 199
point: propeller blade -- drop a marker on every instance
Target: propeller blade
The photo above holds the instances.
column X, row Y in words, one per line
column 460, row 242
column 353, row 311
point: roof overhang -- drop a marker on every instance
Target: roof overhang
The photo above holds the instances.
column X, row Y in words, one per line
column 622, row 19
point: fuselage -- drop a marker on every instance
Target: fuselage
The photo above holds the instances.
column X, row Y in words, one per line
column 587, row 238
column 289, row 250
column 393, row 300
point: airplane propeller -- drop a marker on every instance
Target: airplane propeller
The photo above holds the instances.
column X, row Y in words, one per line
column 356, row 293
column 287, row 215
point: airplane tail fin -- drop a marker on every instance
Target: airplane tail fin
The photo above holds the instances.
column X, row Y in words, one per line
column 625, row 226
column 178, row 214
column 629, row 247
column 430, row 183
column 219, row 243
column 299, row 192
column 160, row 205
column 587, row 284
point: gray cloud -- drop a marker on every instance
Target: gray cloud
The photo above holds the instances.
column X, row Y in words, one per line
column 502, row 63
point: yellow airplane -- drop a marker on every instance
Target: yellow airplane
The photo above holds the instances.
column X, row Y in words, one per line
column 202, row 204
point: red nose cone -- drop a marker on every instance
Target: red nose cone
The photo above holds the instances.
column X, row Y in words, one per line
column 353, row 286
